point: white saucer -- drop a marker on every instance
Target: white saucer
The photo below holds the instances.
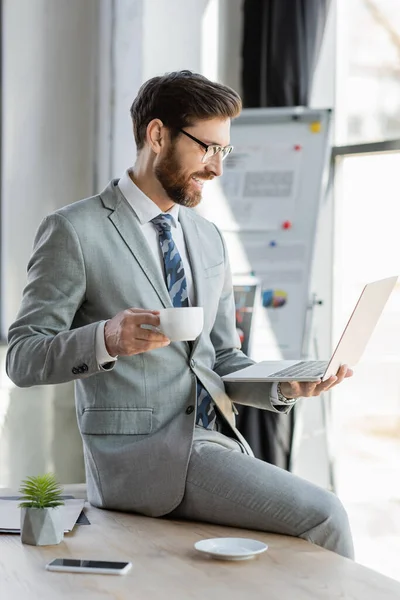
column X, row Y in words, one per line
column 231, row 548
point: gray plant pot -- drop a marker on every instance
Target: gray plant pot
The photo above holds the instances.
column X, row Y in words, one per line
column 42, row 526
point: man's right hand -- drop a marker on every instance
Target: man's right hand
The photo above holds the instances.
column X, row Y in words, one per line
column 124, row 335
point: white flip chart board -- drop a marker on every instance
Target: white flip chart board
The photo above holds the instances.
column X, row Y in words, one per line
column 266, row 203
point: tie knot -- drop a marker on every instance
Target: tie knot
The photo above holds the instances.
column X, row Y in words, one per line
column 162, row 222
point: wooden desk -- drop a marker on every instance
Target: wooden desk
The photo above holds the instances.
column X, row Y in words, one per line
column 166, row 566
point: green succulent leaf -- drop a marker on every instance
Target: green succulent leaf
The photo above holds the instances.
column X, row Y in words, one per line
column 41, row 491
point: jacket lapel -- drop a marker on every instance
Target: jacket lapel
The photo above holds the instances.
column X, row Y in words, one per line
column 193, row 246
column 127, row 225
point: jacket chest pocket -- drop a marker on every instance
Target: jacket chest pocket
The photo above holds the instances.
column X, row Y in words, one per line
column 214, row 271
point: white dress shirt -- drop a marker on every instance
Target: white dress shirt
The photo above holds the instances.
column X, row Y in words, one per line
column 146, row 210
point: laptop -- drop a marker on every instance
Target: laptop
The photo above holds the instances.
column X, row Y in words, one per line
column 349, row 350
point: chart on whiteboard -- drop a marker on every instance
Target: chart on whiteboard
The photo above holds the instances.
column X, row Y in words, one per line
column 280, row 270
column 259, row 187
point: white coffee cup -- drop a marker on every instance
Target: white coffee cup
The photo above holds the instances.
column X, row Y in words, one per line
column 181, row 324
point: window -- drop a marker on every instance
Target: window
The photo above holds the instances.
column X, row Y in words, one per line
column 368, row 70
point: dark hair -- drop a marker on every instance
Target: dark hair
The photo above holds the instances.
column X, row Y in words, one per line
column 179, row 99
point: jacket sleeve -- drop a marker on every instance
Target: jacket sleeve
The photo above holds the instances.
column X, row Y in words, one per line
column 45, row 346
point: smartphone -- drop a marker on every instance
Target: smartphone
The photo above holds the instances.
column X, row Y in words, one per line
column 89, row 566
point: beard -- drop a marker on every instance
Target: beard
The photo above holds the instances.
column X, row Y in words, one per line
column 177, row 185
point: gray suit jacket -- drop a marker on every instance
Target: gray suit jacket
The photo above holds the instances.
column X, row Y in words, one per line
column 90, row 261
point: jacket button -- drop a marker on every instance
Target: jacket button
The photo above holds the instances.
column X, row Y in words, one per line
column 75, row 371
column 192, row 363
column 85, row 368
column 189, row 410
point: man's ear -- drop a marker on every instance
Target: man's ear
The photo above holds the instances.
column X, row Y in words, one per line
column 155, row 135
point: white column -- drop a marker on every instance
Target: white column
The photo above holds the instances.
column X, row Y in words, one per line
column 230, row 41
column 313, row 453
column 172, row 37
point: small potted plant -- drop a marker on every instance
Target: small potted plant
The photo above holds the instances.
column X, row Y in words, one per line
column 42, row 522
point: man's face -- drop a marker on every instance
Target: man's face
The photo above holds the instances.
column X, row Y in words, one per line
column 180, row 169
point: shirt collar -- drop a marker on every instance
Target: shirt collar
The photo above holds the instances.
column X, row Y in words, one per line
column 145, row 209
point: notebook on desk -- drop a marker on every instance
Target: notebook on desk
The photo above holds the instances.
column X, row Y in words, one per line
column 349, row 350
column 10, row 514
column 81, row 520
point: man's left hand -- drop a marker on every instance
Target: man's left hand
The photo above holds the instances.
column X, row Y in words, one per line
column 297, row 389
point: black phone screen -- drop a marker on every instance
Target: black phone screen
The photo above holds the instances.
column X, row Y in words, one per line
column 91, row 564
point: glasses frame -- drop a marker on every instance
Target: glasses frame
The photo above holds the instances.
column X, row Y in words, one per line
column 225, row 150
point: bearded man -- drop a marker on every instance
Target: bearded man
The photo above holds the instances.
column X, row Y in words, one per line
column 157, row 421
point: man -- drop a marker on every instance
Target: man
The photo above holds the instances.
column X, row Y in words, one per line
column 156, row 420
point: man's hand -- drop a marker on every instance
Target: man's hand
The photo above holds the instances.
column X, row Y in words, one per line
column 124, row 335
column 296, row 389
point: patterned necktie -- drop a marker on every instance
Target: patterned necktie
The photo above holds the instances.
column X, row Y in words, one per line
column 177, row 288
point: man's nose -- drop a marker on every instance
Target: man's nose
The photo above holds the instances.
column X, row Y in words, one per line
column 214, row 165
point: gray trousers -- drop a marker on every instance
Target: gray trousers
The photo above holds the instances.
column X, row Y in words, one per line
column 228, row 487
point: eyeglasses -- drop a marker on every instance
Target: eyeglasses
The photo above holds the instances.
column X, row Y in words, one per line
column 211, row 150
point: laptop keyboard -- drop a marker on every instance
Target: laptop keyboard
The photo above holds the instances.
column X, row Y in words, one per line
column 308, row 368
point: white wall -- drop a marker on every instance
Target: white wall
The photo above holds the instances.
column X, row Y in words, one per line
column 48, row 123
column 142, row 38
column 230, row 43
column 48, row 156
column 172, row 36
column 323, row 90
